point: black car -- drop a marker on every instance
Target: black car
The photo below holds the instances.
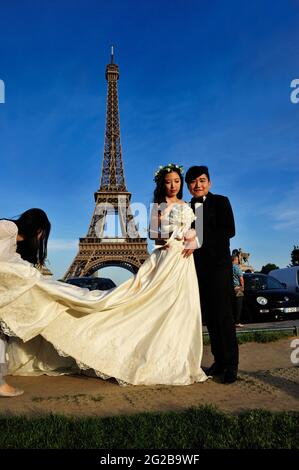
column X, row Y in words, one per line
column 92, row 283
column 267, row 299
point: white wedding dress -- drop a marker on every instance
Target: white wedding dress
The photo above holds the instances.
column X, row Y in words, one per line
column 146, row 331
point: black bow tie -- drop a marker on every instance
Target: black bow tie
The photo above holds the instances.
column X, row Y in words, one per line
column 197, row 199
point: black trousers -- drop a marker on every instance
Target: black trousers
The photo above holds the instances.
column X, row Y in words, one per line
column 238, row 302
column 216, row 298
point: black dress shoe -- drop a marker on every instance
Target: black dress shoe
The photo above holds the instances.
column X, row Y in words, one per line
column 230, row 376
column 215, row 369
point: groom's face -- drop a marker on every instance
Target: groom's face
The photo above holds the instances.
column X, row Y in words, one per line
column 200, row 186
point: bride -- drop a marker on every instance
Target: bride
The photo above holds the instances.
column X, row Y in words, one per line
column 146, row 331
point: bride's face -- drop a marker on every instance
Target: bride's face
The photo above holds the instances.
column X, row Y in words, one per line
column 172, row 184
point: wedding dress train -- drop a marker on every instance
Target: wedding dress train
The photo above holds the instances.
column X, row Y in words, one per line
column 145, row 331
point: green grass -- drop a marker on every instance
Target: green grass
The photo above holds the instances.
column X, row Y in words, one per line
column 257, row 336
column 202, row 428
column 262, row 336
column 77, row 398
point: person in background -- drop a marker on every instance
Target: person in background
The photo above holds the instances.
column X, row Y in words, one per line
column 238, row 280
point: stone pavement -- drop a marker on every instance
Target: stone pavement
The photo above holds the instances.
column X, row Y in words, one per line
column 267, row 379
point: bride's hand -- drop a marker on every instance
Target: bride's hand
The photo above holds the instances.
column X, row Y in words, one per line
column 187, row 252
column 190, row 243
column 190, row 234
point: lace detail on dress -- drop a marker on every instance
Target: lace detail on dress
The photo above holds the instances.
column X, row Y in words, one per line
column 6, row 330
column 83, row 366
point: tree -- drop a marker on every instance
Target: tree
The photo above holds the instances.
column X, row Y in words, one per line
column 268, row 267
column 295, row 256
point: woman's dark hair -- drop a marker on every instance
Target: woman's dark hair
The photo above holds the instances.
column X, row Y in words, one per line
column 30, row 224
column 160, row 190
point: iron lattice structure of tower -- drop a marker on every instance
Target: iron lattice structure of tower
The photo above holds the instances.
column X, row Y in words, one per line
column 97, row 250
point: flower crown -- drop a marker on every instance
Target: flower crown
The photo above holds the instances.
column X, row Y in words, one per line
column 168, row 168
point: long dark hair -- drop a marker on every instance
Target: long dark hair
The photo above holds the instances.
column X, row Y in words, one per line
column 160, row 190
column 30, row 224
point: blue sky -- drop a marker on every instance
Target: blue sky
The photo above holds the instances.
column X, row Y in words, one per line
column 201, row 82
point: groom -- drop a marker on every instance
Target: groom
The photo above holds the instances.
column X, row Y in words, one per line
column 214, row 272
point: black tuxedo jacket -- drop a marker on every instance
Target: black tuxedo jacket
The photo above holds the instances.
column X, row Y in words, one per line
column 218, row 228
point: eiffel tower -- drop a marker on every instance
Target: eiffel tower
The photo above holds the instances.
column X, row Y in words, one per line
column 97, row 249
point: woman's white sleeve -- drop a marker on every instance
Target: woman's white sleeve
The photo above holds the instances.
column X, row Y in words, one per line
column 7, row 229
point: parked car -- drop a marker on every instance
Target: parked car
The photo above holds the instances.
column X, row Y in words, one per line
column 288, row 276
column 267, row 299
column 92, row 283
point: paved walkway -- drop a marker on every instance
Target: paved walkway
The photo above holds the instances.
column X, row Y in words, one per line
column 267, row 379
